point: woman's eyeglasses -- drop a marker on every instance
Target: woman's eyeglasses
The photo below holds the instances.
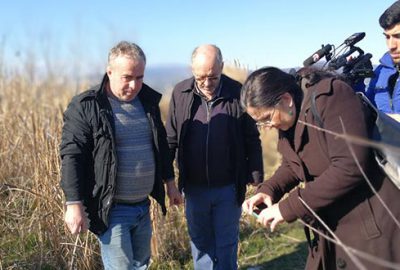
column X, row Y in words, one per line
column 267, row 122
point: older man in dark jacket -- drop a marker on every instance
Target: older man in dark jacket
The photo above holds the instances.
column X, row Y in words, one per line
column 218, row 151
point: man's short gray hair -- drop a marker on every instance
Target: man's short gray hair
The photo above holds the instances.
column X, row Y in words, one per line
column 128, row 49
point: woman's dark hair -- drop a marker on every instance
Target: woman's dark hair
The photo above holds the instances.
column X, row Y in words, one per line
column 391, row 16
column 265, row 86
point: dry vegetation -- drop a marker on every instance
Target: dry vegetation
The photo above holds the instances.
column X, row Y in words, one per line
column 32, row 233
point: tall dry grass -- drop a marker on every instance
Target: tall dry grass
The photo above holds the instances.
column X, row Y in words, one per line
column 32, row 231
column 32, row 234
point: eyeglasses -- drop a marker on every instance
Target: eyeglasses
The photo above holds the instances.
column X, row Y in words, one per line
column 203, row 79
column 267, row 122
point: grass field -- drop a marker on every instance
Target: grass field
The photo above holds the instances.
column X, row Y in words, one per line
column 32, row 232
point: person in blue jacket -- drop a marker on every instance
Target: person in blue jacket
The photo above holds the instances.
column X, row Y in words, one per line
column 384, row 88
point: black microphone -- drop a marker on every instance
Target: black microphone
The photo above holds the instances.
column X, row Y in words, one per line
column 354, row 38
column 325, row 50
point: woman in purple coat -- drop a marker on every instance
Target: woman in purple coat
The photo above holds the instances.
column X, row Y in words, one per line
column 334, row 192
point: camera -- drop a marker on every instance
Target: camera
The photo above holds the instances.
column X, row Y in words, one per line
column 349, row 60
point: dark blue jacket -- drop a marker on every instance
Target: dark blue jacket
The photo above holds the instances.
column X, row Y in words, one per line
column 379, row 89
column 88, row 154
column 245, row 154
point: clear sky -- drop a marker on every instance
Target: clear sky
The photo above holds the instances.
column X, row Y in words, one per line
column 254, row 32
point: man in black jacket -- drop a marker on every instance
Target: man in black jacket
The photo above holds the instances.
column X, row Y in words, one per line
column 114, row 155
column 218, row 152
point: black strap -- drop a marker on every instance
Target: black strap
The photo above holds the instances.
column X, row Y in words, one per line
column 314, row 111
column 308, row 237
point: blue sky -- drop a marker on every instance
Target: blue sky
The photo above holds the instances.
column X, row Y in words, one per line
column 255, row 33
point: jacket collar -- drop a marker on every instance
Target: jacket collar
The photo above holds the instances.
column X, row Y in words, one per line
column 387, row 60
column 322, row 87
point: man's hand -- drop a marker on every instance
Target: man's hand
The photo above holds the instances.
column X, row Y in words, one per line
column 75, row 218
column 175, row 197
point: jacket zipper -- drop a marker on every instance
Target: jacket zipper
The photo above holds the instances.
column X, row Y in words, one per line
column 153, row 127
column 154, row 133
column 184, row 131
column 208, row 109
column 114, row 177
column 392, row 96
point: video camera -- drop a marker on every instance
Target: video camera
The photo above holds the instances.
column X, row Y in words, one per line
column 355, row 65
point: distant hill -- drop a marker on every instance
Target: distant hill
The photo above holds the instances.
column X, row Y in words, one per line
column 163, row 78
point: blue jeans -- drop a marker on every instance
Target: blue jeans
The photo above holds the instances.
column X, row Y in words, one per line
column 126, row 243
column 213, row 221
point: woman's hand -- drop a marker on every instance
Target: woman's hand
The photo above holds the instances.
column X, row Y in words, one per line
column 260, row 198
column 270, row 216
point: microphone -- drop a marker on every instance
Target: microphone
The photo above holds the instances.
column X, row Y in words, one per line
column 325, row 50
column 354, row 38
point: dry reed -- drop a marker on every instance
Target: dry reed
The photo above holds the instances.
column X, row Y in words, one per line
column 32, row 231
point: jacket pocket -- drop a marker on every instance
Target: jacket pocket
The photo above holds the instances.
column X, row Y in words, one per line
column 369, row 226
column 380, row 89
column 96, row 190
